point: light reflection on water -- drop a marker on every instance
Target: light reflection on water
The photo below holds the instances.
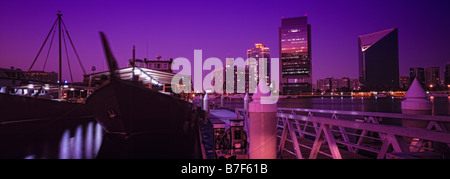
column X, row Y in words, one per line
column 82, row 145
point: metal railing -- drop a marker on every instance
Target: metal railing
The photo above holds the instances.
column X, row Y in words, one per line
column 354, row 131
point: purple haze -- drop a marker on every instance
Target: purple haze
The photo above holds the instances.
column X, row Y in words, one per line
column 222, row 29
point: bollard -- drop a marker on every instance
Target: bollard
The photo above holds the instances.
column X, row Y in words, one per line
column 263, row 126
column 416, row 102
column 200, row 99
column 206, row 105
column 246, row 101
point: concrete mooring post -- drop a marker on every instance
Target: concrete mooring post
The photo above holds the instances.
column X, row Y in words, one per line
column 246, row 101
column 416, row 102
column 200, row 101
column 262, row 125
column 206, row 105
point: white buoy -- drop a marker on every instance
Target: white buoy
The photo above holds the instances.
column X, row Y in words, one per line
column 416, row 102
column 263, row 126
column 206, row 105
column 416, row 98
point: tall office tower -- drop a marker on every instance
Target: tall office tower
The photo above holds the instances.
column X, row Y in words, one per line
column 432, row 77
column 295, row 54
column 418, row 73
column 378, row 60
column 260, row 51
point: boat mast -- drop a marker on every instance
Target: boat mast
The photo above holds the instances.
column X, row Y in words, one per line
column 60, row 57
column 133, row 64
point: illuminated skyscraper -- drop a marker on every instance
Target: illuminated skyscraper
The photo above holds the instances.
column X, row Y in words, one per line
column 378, row 60
column 260, row 51
column 295, row 54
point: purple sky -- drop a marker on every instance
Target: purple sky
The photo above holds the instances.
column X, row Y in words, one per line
column 223, row 29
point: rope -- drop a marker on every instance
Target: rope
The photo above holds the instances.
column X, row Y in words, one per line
column 68, row 61
column 45, row 41
column 49, row 48
column 73, row 46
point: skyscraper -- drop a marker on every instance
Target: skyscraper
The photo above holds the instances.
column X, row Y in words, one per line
column 418, row 73
column 378, row 60
column 295, row 54
column 260, row 51
column 432, row 77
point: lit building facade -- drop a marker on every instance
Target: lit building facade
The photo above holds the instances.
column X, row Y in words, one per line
column 227, row 85
column 432, row 77
column 336, row 84
column 378, row 60
column 260, row 51
column 404, row 82
column 158, row 64
column 42, row 76
column 418, row 73
column 295, row 54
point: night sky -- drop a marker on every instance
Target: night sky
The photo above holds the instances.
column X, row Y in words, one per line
column 222, row 29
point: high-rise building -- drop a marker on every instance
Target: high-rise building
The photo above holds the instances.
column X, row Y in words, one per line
column 295, row 54
column 418, row 73
column 432, row 77
column 233, row 85
column 447, row 75
column 260, row 51
column 378, row 60
column 335, row 84
column 355, row 84
column 324, row 84
column 404, row 82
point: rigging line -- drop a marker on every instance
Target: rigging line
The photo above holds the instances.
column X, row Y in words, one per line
column 49, row 48
column 73, row 46
column 67, row 55
column 45, row 41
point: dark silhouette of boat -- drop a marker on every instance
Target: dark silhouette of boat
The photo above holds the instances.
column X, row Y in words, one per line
column 140, row 122
column 27, row 110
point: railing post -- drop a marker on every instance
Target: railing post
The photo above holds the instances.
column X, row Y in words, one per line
column 263, row 126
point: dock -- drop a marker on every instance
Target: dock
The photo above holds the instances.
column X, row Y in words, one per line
column 329, row 134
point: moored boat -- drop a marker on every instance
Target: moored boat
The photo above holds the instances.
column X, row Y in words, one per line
column 143, row 123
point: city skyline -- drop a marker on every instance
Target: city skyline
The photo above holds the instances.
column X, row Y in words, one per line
column 175, row 30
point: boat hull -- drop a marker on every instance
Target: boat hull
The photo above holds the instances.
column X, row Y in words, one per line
column 143, row 123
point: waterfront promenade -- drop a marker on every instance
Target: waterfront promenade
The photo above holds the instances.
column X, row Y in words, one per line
column 333, row 134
